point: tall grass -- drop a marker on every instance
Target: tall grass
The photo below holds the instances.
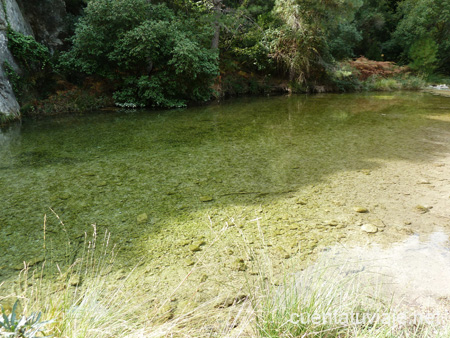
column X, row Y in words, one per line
column 81, row 299
column 405, row 82
column 91, row 299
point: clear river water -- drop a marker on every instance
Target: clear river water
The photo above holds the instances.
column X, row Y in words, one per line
column 164, row 182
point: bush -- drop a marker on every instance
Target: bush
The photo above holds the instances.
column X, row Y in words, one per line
column 155, row 57
column 36, row 76
column 406, row 82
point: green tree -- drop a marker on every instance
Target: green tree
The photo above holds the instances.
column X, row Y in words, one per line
column 423, row 34
column 155, row 57
column 300, row 43
column 375, row 20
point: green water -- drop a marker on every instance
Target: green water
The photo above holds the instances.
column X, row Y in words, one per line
column 181, row 165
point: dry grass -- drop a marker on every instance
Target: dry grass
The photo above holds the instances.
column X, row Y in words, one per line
column 91, row 298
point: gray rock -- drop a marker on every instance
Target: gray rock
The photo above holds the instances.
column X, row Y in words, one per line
column 15, row 18
column 9, row 107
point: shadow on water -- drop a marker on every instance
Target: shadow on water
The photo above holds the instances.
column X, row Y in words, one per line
column 109, row 168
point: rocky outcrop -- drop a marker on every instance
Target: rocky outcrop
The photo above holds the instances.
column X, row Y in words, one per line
column 9, row 13
column 47, row 18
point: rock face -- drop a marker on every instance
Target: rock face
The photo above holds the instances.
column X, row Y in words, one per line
column 42, row 19
column 9, row 108
column 47, row 20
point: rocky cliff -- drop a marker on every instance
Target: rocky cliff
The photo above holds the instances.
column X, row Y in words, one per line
column 9, row 13
column 42, row 19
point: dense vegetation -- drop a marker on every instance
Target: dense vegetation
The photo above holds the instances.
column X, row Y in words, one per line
column 168, row 53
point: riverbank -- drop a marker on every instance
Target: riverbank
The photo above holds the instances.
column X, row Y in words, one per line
column 96, row 95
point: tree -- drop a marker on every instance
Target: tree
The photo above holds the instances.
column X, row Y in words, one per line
column 154, row 57
column 300, row 43
column 423, row 34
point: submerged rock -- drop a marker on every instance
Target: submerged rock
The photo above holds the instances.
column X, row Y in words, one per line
column 196, row 246
column 369, row 228
column 422, row 209
column 332, row 223
column 189, row 262
column 142, row 218
column 230, row 301
column 361, row 210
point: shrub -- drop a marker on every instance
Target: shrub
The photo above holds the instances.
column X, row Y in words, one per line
column 155, row 57
column 36, row 76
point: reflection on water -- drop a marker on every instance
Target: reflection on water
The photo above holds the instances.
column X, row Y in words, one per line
column 174, row 167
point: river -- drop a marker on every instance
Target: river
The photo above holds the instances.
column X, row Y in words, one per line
column 294, row 174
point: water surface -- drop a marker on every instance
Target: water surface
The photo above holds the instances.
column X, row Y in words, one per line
column 181, row 166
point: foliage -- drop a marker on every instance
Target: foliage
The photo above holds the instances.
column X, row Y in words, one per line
column 157, row 53
column 74, row 100
column 423, row 54
column 367, row 68
column 155, row 57
column 31, row 55
column 343, row 39
column 17, row 82
column 299, row 44
column 36, row 71
column 25, row 327
column 375, row 20
column 423, row 34
column 405, row 82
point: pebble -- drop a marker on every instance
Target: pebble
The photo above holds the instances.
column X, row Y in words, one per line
column 361, row 210
column 196, row 246
column 422, row 209
column 369, row 228
column 64, row 196
column 142, row 218
column 189, row 262
column 332, row 223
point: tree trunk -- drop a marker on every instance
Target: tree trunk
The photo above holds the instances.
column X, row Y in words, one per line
column 217, row 9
